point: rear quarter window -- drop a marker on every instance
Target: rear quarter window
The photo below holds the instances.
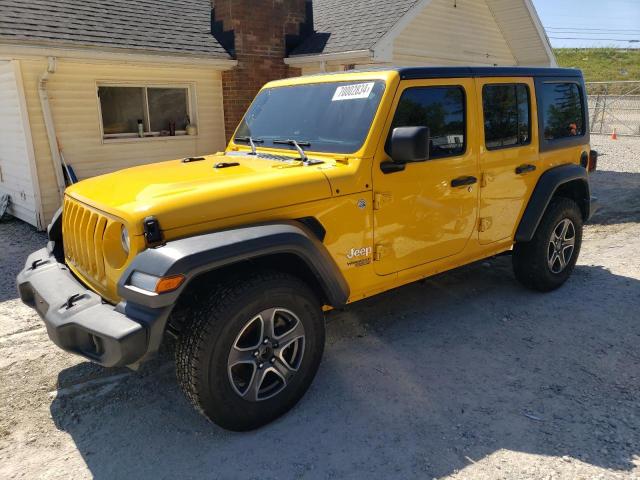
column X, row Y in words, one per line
column 562, row 110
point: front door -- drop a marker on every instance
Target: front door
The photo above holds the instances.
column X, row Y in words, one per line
column 508, row 154
column 428, row 210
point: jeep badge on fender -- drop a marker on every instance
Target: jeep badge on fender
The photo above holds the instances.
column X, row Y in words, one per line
column 238, row 254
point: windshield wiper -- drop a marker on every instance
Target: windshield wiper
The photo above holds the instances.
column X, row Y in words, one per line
column 252, row 142
column 297, row 145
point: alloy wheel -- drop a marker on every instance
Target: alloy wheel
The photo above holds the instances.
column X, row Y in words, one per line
column 561, row 245
column 266, row 354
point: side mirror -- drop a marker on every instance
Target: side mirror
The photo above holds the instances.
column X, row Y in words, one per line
column 409, row 144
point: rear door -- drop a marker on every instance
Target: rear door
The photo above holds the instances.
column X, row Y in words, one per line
column 508, row 154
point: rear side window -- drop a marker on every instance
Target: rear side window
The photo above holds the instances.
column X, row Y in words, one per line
column 563, row 115
column 507, row 118
column 442, row 109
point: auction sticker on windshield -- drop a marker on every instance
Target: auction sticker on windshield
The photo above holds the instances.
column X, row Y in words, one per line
column 352, row 92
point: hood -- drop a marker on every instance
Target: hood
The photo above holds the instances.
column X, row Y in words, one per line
column 181, row 193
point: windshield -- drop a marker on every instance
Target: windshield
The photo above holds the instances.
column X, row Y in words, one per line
column 329, row 117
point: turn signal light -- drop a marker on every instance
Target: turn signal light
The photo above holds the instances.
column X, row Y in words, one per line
column 168, row 284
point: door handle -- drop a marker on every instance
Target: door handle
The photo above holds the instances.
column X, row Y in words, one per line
column 463, row 181
column 525, row 169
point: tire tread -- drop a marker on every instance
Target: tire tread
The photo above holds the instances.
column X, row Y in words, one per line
column 529, row 258
column 209, row 305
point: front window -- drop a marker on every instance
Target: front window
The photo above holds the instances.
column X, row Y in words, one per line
column 329, row 117
column 442, row 109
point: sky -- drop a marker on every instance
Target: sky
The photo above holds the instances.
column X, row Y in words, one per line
column 591, row 23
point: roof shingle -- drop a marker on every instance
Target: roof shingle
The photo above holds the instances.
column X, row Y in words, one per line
column 157, row 26
column 342, row 26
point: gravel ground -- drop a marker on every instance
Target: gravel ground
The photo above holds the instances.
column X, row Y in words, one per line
column 465, row 375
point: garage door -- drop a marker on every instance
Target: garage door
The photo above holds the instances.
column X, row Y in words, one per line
column 17, row 176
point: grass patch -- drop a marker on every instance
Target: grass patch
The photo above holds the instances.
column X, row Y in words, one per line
column 601, row 64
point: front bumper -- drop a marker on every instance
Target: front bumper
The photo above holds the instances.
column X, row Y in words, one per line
column 76, row 318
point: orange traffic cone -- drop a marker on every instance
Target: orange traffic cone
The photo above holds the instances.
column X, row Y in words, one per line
column 613, row 135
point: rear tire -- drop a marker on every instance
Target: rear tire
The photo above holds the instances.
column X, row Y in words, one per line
column 231, row 368
column 546, row 262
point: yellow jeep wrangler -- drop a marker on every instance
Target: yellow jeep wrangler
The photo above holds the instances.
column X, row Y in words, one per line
column 334, row 188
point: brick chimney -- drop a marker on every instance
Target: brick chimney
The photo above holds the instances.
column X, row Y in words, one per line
column 259, row 34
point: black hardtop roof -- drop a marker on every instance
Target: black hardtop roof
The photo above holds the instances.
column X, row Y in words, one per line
column 412, row 73
column 416, row 73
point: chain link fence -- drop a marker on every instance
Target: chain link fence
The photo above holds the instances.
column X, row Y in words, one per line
column 614, row 106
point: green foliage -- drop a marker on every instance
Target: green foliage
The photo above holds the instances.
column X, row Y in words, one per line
column 601, row 64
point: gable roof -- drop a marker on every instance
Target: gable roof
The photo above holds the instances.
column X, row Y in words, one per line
column 367, row 28
column 144, row 26
column 342, row 26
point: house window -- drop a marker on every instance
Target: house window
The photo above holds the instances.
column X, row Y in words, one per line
column 442, row 109
column 506, row 115
column 157, row 111
column 562, row 110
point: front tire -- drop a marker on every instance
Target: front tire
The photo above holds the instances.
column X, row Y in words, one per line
column 251, row 349
column 546, row 262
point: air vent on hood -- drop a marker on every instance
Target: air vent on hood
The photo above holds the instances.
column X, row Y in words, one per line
column 270, row 156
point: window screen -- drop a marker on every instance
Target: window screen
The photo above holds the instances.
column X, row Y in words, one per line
column 562, row 110
column 442, row 109
column 167, row 105
column 122, row 107
column 506, row 115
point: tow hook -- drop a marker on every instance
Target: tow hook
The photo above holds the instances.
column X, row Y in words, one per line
column 37, row 263
column 71, row 301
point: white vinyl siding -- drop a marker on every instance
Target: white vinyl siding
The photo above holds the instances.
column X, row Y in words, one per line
column 464, row 32
column 16, row 151
column 519, row 30
column 453, row 33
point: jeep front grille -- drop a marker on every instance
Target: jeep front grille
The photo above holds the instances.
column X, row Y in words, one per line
column 83, row 235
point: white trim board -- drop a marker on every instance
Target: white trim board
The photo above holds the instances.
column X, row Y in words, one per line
column 11, row 51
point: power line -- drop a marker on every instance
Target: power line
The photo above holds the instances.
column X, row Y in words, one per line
column 593, row 33
column 595, row 29
column 598, row 39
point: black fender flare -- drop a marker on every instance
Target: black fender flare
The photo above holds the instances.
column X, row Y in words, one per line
column 199, row 254
column 195, row 255
column 547, row 185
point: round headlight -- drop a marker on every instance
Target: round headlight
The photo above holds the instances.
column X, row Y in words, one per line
column 124, row 239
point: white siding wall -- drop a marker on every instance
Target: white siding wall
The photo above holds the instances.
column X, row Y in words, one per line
column 16, row 151
column 444, row 34
column 441, row 34
column 519, row 29
column 74, row 104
